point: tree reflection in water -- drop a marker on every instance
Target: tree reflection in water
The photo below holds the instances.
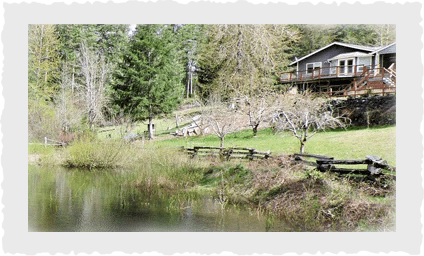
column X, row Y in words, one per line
column 78, row 200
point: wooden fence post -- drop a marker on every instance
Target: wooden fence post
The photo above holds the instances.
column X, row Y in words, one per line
column 251, row 152
column 45, row 141
column 176, row 121
column 195, row 151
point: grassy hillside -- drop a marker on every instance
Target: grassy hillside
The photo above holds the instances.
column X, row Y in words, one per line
column 354, row 143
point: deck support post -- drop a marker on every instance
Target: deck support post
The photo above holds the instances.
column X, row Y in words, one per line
column 355, row 86
column 329, row 89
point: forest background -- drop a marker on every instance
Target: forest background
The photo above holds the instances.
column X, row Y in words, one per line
column 85, row 76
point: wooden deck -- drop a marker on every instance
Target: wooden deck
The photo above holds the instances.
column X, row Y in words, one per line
column 322, row 73
column 344, row 81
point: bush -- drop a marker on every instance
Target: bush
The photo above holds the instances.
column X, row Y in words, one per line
column 42, row 121
column 86, row 153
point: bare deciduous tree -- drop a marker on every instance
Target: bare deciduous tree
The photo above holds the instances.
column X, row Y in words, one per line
column 96, row 72
column 222, row 118
column 259, row 108
column 70, row 107
column 305, row 114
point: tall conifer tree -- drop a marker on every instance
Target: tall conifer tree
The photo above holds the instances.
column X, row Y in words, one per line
column 149, row 80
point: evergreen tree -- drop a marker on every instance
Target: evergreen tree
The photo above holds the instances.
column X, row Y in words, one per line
column 148, row 82
column 43, row 61
column 316, row 36
column 104, row 45
column 360, row 34
column 108, row 40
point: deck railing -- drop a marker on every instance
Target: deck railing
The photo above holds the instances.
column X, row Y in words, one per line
column 324, row 72
column 365, row 80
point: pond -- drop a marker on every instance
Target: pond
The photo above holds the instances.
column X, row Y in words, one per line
column 74, row 200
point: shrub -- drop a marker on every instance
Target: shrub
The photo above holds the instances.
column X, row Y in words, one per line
column 86, row 153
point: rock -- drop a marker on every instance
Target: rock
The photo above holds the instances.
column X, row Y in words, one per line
column 132, row 137
column 378, row 110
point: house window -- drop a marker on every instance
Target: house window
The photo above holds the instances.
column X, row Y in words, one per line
column 346, row 66
column 310, row 67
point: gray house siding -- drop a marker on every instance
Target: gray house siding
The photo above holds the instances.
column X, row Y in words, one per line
column 324, row 55
column 388, row 50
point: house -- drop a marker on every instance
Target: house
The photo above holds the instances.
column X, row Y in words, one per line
column 341, row 69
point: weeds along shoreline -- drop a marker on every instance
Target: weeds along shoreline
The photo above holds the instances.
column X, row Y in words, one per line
column 306, row 199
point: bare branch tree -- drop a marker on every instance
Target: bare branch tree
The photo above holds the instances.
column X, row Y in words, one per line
column 222, row 118
column 96, row 72
column 70, row 107
column 304, row 115
column 259, row 108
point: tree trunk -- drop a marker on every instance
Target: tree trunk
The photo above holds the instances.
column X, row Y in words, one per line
column 304, row 138
column 255, row 130
column 222, row 142
column 150, row 127
column 188, row 86
column 302, row 147
column 191, row 83
column 240, row 52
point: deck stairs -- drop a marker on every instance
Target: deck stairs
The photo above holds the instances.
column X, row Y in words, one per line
column 368, row 80
column 389, row 81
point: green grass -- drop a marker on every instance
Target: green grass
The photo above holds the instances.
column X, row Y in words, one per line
column 354, row 143
column 307, row 200
column 37, row 148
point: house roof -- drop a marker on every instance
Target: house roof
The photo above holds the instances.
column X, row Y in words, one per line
column 354, row 46
column 350, row 54
column 383, row 48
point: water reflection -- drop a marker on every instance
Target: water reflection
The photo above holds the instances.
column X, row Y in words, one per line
column 73, row 200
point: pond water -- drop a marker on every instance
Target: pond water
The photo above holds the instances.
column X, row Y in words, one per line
column 79, row 200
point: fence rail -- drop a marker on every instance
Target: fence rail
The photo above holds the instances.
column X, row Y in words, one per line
column 374, row 164
column 227, row 153
column 47, row 142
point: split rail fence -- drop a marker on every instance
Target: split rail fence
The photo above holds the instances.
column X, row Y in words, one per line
column 50, row 142
column 374, row 165
column 227, row 153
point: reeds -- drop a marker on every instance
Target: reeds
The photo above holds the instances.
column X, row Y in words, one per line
column 308, row 200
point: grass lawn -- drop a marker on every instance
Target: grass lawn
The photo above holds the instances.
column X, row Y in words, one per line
column 354, row 143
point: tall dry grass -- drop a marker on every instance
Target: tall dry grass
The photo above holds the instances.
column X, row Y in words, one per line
column 308, row 200
column 305, row 199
